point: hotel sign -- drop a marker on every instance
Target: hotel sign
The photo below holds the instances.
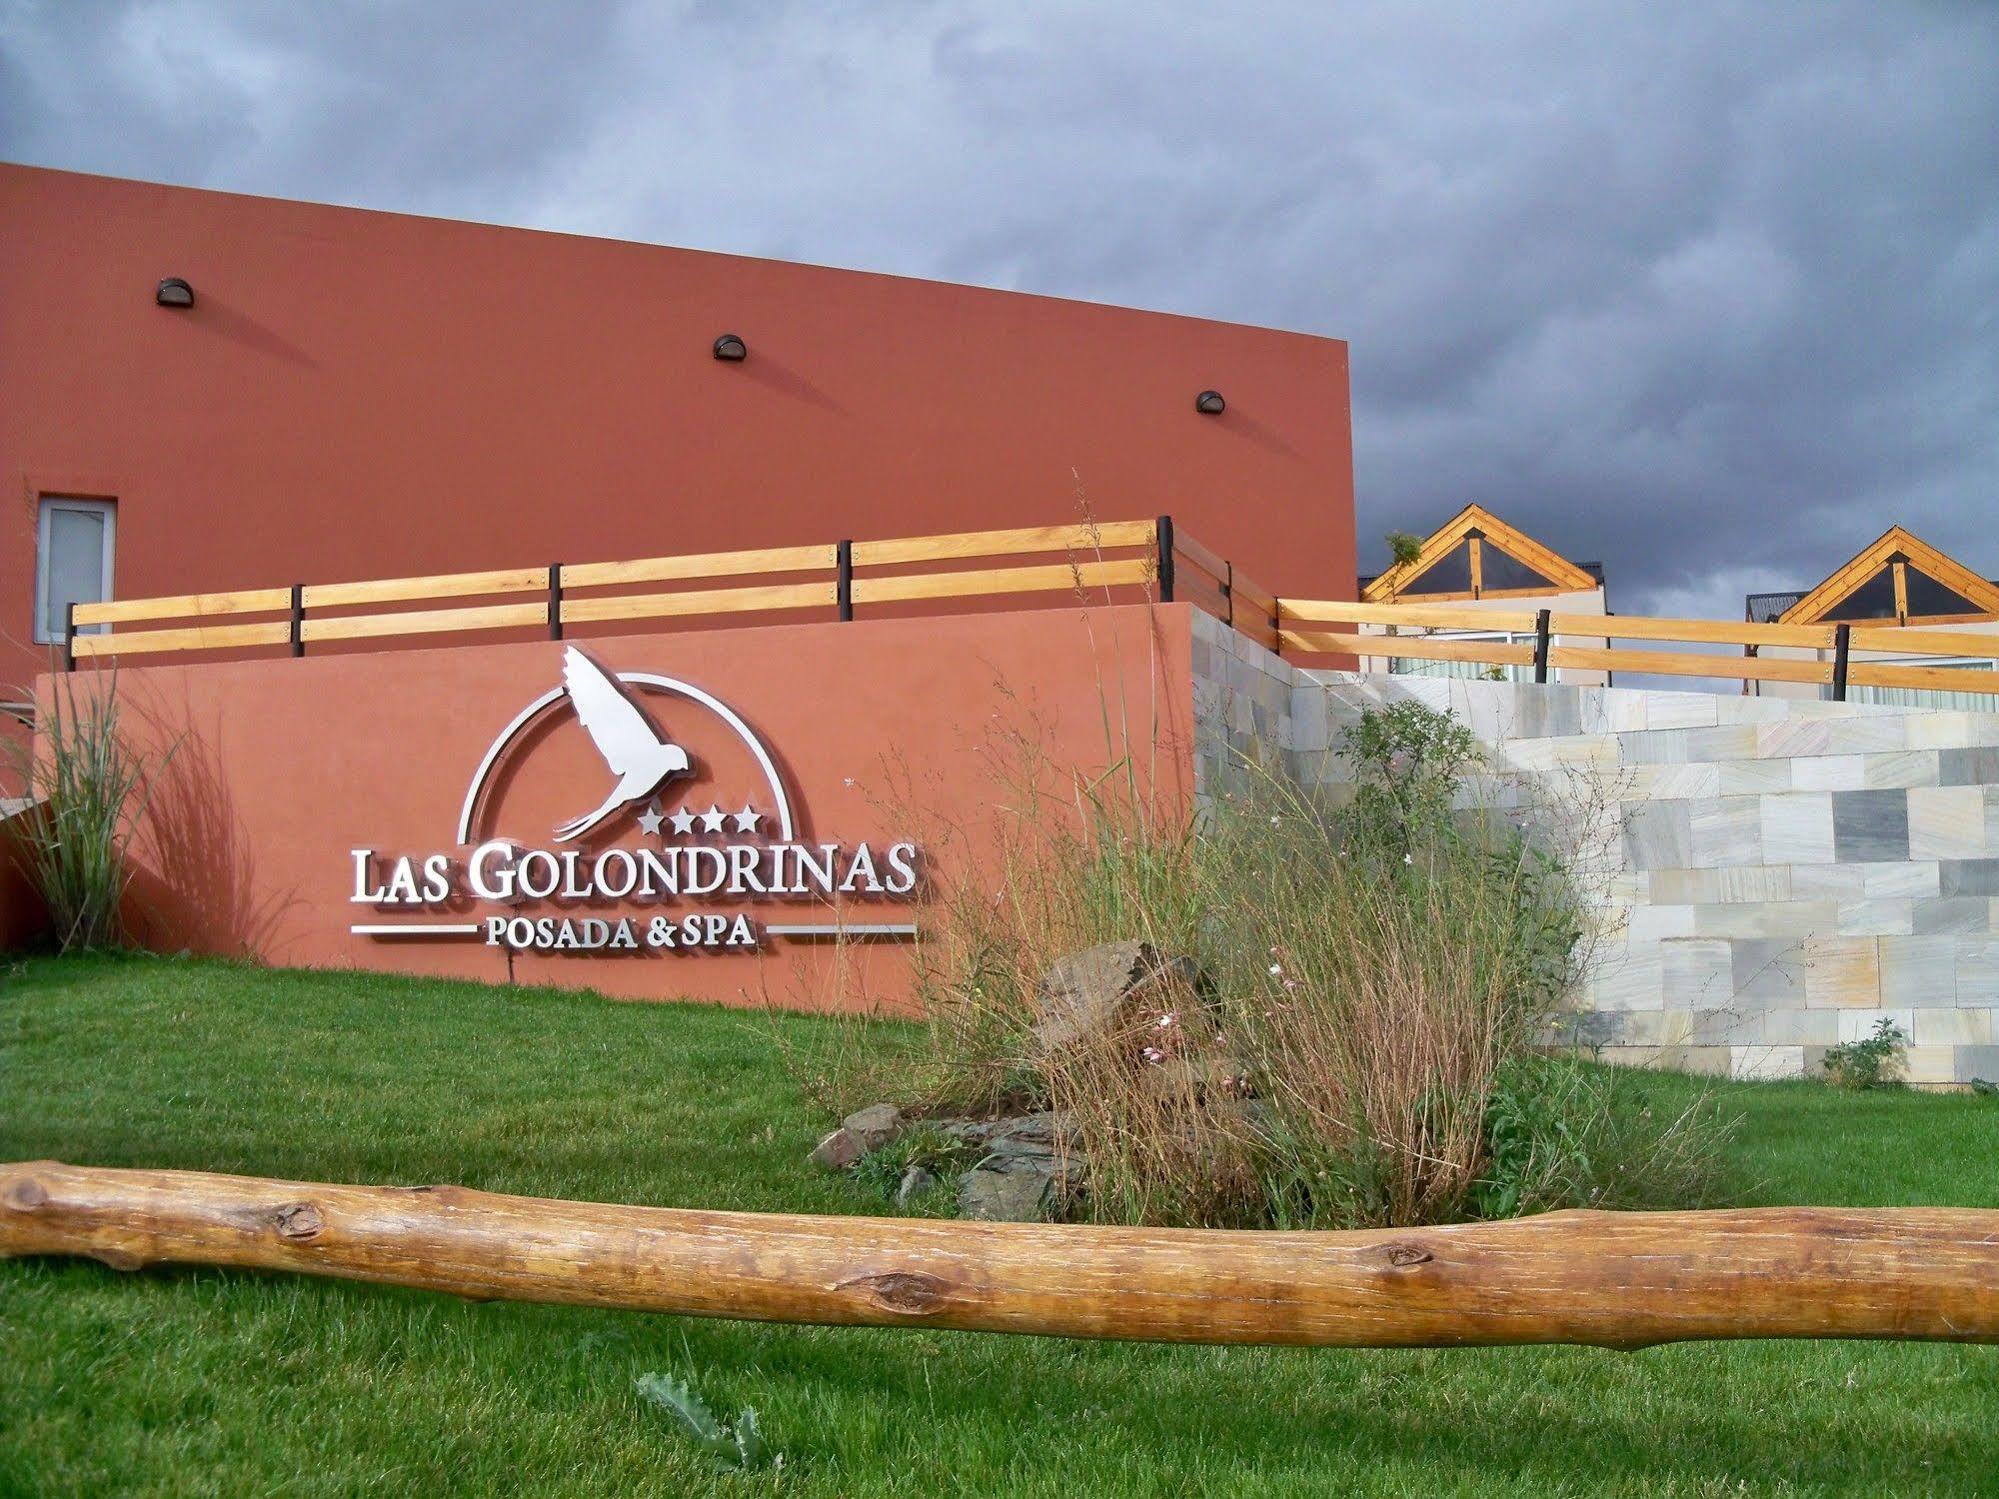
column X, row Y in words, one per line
column 728, row 877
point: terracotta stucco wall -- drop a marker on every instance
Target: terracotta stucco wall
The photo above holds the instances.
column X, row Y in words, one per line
column 880, row 730
column 363, row 395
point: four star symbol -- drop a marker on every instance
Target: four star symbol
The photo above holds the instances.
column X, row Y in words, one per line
column 684, row 821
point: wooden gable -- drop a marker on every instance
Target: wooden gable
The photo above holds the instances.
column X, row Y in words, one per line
column 1476, row 555
column 1898, row 577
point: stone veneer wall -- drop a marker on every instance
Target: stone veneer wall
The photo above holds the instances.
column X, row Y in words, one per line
column 1777, row 874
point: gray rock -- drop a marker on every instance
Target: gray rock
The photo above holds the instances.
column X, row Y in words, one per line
column 1006, row 1191
column 838, row 1151
column 1091, row 994
column 874, row 1126
column 915, row 1181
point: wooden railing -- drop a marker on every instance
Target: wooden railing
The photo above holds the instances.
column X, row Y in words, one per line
column 835, row 576
column 1092, row 559
column 1838, row 656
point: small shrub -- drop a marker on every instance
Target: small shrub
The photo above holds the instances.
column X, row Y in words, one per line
column 737, row 1444
column 92, row 787
column 1403, row 547
column 1870, row 1062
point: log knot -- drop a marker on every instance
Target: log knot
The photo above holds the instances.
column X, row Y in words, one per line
column 1408, row 1254
column 910, row 1293
column 26, row 1195
column 299, row 1220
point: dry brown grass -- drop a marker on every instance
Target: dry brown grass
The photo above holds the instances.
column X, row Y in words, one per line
column 1369, row 977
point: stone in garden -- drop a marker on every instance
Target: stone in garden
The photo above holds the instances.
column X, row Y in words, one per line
column 1030, row 1134
column 1090, row 995
column 837, row 1151
column 874, row 1126
column 1013, row 1189
column 915, row 1181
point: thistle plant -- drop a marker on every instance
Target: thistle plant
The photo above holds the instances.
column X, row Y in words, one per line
column 735, row 1445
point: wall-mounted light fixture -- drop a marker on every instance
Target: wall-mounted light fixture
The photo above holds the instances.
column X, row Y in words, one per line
column 174, row 292
column 730, row 347
column 1210, row 403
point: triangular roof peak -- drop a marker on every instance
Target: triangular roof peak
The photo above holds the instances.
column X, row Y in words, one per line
column 1476, row 523
column 1894, row 552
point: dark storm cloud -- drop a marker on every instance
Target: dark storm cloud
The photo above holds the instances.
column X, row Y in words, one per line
column 1706, row 291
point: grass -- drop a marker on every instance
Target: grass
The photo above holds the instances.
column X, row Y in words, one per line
column 206, row 1382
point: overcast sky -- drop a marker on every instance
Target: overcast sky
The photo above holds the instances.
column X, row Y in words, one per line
column 1708, row 291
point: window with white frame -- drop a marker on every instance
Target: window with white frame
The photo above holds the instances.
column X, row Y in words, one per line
column 1416, row 666
column 73, row 544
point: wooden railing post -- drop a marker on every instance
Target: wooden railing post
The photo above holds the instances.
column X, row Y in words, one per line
column 843, row 588
column 555, row 601
column 1165, row 546
column 69, row 636
column 1842, row 645
column 1541, row 645
column 298, row 619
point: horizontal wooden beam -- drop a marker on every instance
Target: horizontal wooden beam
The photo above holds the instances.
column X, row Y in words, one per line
column 1407, row 647
column 185, row 606
column 1414, row 616
column 185, row 638
column 1614, row 1280
column 1691, row 664
column 698, row 601
column 1692, row 631
column 437, row 586
column 423, row 622
column 1074, row 537
column 1251, row 596
column 699, row 565
column 1915, row 642
column 1046, row 577
column 1923, row 678
column 1205, row 558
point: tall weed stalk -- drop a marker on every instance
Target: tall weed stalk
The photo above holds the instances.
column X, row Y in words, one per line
column 89, row 787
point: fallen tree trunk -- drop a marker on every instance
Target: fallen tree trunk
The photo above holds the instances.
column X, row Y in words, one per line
column 1619, row 1280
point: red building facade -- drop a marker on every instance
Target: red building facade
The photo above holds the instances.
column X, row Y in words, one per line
column 357, row 395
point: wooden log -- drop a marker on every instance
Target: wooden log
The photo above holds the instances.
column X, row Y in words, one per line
column 1617, row 1280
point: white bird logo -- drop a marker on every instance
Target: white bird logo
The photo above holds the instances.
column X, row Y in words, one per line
column 641, row 760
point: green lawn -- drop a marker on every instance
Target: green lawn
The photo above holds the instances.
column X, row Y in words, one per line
column 204, row 1382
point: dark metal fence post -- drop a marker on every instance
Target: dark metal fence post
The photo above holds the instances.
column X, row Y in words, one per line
column 1541, row 645
column 298, row 619
column 1228, row 591
column 555, row 601
column 69, row 636
column 1165, row 543
column 1842, row 641
column 843, row 589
